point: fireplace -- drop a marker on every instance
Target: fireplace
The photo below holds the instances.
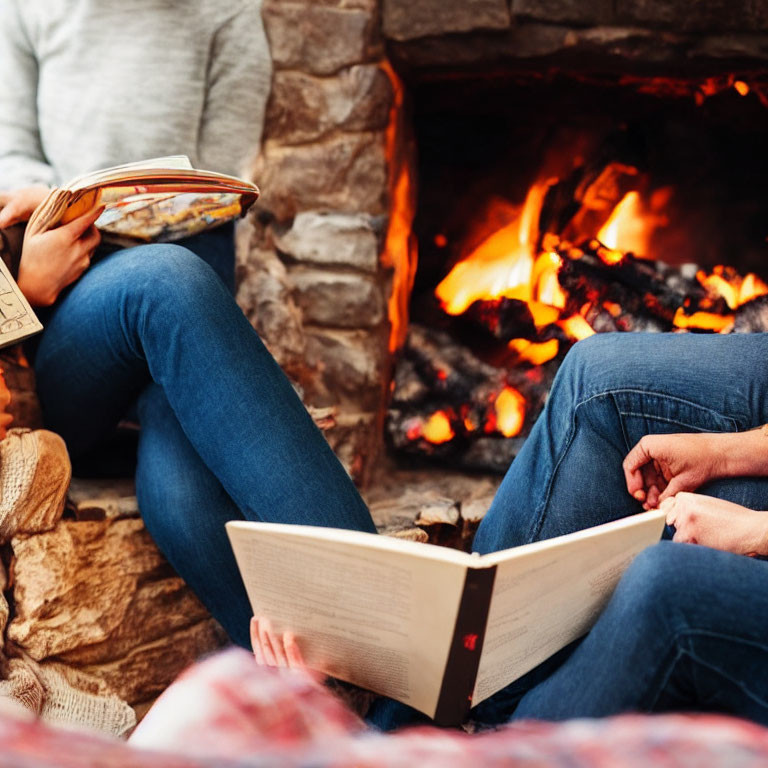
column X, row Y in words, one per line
column 431, row 126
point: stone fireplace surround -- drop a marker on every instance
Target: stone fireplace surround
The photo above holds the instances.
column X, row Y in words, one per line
column 316, row 277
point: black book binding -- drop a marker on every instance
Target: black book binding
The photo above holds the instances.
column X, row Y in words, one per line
column 458, row 685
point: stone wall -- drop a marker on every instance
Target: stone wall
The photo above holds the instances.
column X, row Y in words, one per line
column 311, row 276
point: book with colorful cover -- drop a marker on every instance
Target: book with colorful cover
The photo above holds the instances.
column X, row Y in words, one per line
column 158, row 200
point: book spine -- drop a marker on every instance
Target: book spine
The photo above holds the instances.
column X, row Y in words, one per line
column 463, row 662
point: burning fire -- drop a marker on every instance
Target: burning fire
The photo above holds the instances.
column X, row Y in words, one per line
column 502, row 265
column 517, row 263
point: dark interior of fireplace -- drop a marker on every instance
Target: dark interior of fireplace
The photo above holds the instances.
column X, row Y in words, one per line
column 693, row 151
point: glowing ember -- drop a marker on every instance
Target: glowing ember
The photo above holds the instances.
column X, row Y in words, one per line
column 510, row 412
column 741, row 87
column 703, row 321
column 438, row 429
column 535, row 353
column 542, row 314
column 502, row 265
column 576, row 327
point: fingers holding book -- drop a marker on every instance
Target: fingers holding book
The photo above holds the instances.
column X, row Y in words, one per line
column 274, row 649
column 51, row 260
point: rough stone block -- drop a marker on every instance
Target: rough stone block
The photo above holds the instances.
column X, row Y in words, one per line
column 89, row 583
column 320, row 39
column 356, row 440
column 349, row 362
column 337, row 299
column 407, row 20
column 565, row 11
column 696, row 15
column 99, row 600
column 731, row 47
column 347, row 172
column 305, row 108
column 149, row 669
column 264, row 295
column 332, row 239
column 533, row 40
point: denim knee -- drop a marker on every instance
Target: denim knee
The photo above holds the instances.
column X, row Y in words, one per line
column 172, row 280
column 585, row 362
column 660, row 587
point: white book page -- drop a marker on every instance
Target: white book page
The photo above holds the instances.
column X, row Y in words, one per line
column 550, row 593
column 370, row 610
column 172, row 162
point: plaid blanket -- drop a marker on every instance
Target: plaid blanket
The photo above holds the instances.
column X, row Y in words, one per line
column 228, row 712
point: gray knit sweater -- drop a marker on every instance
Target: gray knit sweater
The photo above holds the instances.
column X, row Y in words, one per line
column 86, row 84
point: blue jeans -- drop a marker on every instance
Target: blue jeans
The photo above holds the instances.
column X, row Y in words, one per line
column 223, row 434
column 688, row 626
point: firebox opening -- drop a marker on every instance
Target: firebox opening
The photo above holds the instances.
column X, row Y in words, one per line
column 580, row 205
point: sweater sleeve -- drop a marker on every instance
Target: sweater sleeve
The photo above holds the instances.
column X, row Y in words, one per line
column 239, row 78
column 22, row 162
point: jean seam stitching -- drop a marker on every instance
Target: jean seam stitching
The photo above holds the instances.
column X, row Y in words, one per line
column 659, row 687
column 687, row 634
column 677, row 421
column 628, row 390
column 569, row 439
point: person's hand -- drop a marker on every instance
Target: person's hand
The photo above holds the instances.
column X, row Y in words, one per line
column 19, row 205
column 659, row 466
column 715, row 523
column 273, row 650
column 51, row 260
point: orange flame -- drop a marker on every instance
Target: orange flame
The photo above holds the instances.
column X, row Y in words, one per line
column 502, row 265
column 510, row 412
column 627, row 228
column 535, row 353
column 735, row 289
column 400, row 252
column 438, row 428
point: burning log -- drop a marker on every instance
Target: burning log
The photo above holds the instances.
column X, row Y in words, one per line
column 651, row 291
column 450, row 405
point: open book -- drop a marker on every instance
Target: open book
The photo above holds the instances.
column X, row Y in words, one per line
column 432, row 627
column 155, row 200
column 17, row 319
